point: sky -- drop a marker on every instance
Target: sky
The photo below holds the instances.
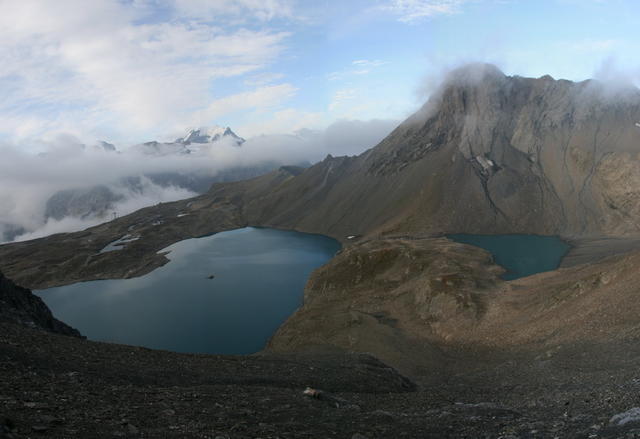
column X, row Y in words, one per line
column 129, row 71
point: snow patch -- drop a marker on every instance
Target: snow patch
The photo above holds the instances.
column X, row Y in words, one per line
column 485, row 162
column 119, row 244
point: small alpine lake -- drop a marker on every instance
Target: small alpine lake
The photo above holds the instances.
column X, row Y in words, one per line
column 520, row 255
column 222, row 294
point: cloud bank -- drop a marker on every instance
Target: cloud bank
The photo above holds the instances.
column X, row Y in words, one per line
column 133, row 65
column 411, row 11
column 28, row 180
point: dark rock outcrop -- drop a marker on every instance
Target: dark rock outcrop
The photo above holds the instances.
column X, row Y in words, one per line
column 82, row 203
column 20, row 305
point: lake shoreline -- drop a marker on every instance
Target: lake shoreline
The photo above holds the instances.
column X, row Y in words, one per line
column 521, row 255
column 226, row 293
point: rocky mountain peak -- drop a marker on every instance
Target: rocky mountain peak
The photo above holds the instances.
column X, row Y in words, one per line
column 106, row 146
column 490, row 112
column 474, row 73
column 209, row 135
column 488, row 153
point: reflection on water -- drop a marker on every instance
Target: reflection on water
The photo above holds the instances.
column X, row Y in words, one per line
column 258, row 281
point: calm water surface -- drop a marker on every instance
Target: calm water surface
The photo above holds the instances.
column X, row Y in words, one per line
column 259, row 281
column 520, row 255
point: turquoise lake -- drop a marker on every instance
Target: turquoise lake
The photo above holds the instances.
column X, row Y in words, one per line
column 259, row 278
column 520, row 255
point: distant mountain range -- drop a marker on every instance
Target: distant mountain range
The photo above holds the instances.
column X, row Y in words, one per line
column 102, row 200
column 210, row 135
column 195, row 140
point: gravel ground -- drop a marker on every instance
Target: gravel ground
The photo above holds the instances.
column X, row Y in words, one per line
column 59, row 386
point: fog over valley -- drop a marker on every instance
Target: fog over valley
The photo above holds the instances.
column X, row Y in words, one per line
column 65, row 184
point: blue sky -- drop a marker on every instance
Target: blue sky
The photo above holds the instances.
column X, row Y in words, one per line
column 135, row 70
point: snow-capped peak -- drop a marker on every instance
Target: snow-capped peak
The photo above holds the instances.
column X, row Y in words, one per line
column 209, row 135
column 196, row 141
column 211, row 131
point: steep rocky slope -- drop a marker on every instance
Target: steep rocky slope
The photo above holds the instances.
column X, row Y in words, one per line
column 19, row 305
column 523, row 155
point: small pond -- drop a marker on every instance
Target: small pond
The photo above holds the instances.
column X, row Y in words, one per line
column 520, row 255
column 224, row 294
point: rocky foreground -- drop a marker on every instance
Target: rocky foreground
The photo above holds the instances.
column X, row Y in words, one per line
column 552, row 355
column 61, row 386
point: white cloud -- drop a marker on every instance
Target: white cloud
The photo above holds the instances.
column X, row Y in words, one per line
column 346, row 137
column 410, row 11
column 148, row 194
column 590, row 45
column 617, row 79
column 261, row 98
column 359, row 67
column 340, row 97
column 261, row 9
column 334, row 76
column 261, row 79
column 283, row 121
column 368, row 63
column 68, row 65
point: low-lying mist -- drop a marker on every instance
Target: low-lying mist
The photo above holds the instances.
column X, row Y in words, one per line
column 30, row 174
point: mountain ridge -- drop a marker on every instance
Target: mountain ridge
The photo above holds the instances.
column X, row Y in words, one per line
column 494, row 145
column 209, row 135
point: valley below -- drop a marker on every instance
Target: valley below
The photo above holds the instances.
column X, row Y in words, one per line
column 406, row 332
